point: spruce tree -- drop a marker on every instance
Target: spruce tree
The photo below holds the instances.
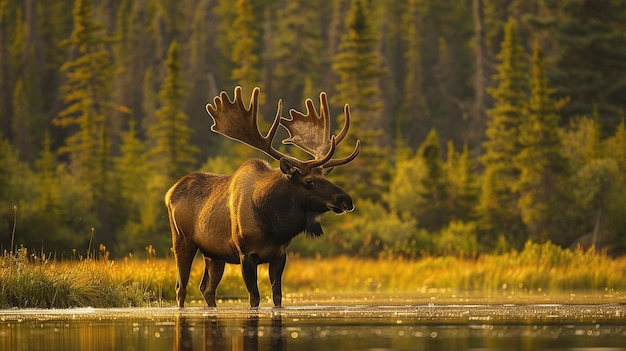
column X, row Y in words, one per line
column 357, row 65
column 462, row 183
column 170, row 150
column 87, row 93
column 434, row 212
column 21, row 119
column 244, row 51
column 296, row 58
column 415, row 120
column 497, row 208
column 540, row 162
column 132, row 177
column 590, row 56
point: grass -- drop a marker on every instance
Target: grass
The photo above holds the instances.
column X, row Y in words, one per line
column 31, row 281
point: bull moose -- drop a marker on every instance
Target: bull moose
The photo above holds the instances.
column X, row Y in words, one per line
column 251, row 216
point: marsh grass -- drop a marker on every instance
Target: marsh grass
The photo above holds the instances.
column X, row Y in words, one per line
column 28, row 280
column 32, row 281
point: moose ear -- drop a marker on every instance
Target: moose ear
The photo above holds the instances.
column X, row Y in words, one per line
column 288, row 167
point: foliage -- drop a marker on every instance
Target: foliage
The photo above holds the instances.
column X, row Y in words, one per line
column 31, row 281
column 40, row 281
column 169, row 135
column 588, row 42
column 497, row 208
column 542, row 166
column 102, row 109
column 357, row 66
column 457, row 239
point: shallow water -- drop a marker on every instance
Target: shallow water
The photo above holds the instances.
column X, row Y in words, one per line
column 370, row 325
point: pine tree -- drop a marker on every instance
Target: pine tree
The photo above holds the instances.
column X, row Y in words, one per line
column 5, row 71
column 541, row 164
column 415, row 120
column 132, row 56
column 87, row 92
column 590, row 56
column 358, row 66
column 434, row 212
column 246, row 72
column 462, row 183
column 132, row 178
column 296, row 56
column 169, row 135
column 49, row 194
column 20, row 127
column 498, row 201
column 615, row 146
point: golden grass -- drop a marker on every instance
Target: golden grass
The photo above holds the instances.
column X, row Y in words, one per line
column 28, row 281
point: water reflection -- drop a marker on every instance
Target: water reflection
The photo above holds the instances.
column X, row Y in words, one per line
column 219, row 335
column 290, row 329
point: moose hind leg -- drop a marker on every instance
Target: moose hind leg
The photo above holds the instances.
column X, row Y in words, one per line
column 249, row 271
column 213, row 272
column 276, row 275
column 184, row 255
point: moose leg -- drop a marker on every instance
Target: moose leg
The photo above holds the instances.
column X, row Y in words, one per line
column 184, row 252
column 276, row 277
column 183, row 262
column 213, row 272
column 249, row 272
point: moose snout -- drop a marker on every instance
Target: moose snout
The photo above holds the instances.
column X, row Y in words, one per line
column 341, row 203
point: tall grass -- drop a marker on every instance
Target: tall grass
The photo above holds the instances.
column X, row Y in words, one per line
column 31, row 281
column 28, row 280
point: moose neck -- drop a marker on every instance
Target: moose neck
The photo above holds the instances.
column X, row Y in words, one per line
column 284, row 208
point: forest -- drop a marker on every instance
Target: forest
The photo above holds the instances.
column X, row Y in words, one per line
column 484, row 124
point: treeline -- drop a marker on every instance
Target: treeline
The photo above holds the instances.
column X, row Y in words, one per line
column 484, row 123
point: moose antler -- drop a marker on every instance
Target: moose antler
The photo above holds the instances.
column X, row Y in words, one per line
column 311, row 132
column 233, row 120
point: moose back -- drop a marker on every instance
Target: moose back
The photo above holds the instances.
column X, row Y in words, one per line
column 251, row 216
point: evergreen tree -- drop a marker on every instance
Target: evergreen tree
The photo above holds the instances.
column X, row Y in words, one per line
column 132, row 179
column 200, row 71
column 169, row 136
column 498, row 201
column 246, row 72
column 296, row 56
column 87, row 93
column 615, row 146
column 415, row 120
column 434, row 211
column 20, row 128
column 404, row 186
column 7, row 69
column 133, row 56
column 48, row 204
column 590, row 56
column 358, row 66
column 541, row 164
column 462, row 184
column 49, row 196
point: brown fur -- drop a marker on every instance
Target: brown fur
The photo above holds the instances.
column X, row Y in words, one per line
column 247, row 218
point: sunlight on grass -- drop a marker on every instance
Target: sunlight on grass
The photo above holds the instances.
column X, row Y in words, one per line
column 28, row 280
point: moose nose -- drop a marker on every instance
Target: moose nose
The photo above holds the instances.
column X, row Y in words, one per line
column 342, row 203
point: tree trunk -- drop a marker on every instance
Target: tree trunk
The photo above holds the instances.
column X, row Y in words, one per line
column 477, row 125
column 596, row 227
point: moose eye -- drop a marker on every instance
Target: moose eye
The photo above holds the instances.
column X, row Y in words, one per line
column 309, row 182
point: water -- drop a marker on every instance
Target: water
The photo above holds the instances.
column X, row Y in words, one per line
column 370, row 326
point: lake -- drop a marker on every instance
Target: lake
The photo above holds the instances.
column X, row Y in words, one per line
column 330, row 325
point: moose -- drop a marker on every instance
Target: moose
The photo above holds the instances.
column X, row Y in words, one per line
column 251, row 216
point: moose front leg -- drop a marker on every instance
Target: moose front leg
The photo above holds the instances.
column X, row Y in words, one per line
column 276, row 277
column 249, row 264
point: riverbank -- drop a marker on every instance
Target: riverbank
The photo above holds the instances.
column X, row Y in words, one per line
column 537, row 271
